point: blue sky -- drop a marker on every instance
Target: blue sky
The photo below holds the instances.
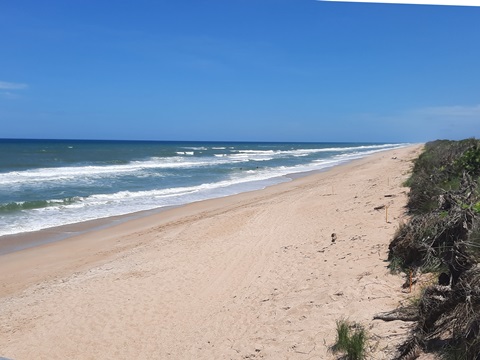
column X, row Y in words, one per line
column 256, row 70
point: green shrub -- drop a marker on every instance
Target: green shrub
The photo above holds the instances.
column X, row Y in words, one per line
column 440, row 168
column 396, row 265
column 476, row 207
column 470, row 160
column 454, row 353
column 443, row 236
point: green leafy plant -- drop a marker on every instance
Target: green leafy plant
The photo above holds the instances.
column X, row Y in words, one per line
column 476, row 207
column 470, row 160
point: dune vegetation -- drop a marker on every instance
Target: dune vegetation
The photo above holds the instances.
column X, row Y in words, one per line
column 442, row 237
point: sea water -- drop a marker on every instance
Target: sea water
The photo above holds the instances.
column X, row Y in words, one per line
column 48, row 183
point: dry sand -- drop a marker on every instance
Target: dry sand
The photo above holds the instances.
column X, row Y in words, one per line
column 250, row 276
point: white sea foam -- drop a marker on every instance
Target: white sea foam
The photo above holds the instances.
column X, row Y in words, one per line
column 76, row 172
column 270, row 154
column 195, row 148
column 124, row 202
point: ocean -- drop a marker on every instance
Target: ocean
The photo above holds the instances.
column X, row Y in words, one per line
column 48, row 183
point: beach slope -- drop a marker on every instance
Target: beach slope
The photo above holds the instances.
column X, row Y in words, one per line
column 250, row 276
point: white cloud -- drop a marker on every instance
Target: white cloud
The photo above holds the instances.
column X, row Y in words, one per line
column 8, row 95
column 448, row 111
column 421, row 124
column 417, row 2
column 444, row 122
column 4, row 85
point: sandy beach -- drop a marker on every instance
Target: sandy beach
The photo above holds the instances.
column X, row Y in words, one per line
column 249, row 276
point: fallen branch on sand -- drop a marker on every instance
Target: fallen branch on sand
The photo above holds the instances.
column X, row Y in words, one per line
column 402, row 314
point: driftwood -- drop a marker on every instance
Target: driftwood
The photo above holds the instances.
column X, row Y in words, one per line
column 403, row 314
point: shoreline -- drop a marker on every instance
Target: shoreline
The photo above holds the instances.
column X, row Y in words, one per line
column 48, row 196
column 22, row 241
column 249, row 275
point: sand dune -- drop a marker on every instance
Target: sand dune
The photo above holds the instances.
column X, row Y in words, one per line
column 251, row 276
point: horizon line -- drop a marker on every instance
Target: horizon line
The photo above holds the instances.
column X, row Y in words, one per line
column 213, row 141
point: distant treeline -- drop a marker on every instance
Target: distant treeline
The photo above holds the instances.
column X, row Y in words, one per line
column 443, row 237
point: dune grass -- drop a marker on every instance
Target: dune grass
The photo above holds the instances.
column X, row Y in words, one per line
column 351, row 340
